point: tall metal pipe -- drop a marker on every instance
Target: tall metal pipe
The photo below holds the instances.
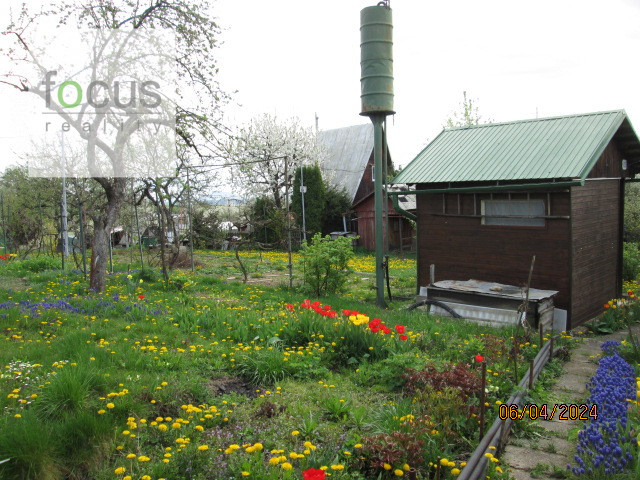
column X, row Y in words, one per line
column 377, row 201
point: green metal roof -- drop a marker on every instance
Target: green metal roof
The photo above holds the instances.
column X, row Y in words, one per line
column 539, row 149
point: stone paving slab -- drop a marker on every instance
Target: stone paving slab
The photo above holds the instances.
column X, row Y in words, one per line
column 572, row 382
column 522, row 458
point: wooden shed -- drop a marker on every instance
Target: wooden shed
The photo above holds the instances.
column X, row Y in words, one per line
column 489, row 197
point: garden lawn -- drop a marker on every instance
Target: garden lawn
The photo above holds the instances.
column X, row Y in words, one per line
column 208, row 378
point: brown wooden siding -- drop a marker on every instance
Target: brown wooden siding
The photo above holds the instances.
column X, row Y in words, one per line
column 462, row 248
column 366, row 183
column 365, row 213
column 595, row 230
column 609, row 165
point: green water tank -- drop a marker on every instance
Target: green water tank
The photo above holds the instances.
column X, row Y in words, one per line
column 376, row 60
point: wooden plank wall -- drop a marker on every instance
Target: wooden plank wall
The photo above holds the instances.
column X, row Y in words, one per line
column 365, row 213
column 609, row 165
column 462, row 248
column 595, row 211
column 366, row 183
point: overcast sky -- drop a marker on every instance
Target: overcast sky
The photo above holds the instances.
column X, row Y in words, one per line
column 518, row 59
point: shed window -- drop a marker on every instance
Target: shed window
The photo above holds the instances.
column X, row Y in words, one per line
column 524, row 213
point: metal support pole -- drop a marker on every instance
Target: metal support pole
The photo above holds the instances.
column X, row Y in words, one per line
column 385, row 202
column 135, row 209
column 377, row 120
column 4, row 228
column 286, row 189
column 303, row 189
column 65, row 236
column 483, row 398
column 61, row 237
column 83, row 245
column 111, row 251
column 193, row 266
column 163, row 259
column 8, row 220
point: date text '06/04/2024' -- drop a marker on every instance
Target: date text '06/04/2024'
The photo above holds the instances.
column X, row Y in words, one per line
column 546, row 412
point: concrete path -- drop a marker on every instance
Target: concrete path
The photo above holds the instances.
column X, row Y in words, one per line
column 555, row 447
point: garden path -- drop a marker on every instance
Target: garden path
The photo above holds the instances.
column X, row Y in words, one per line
column 547, row 456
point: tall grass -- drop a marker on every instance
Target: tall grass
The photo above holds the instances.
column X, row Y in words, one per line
column 71, row 390
column 31, row 448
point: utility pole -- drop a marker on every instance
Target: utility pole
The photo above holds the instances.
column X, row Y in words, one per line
column 303, row 190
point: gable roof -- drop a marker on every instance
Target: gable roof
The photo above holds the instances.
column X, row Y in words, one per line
column 347, row 152
column 539, row 149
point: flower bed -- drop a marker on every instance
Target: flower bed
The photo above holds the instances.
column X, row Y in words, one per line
column 606, row 444
column 221, row 380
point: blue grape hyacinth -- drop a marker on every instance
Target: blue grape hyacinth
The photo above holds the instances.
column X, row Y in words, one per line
column 603, row 443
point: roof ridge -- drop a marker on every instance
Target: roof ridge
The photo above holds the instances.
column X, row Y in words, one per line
column 530, row 120
column 360, row 125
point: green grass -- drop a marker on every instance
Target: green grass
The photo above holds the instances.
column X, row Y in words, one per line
column 137, row 370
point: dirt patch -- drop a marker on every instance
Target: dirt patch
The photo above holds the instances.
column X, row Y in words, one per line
column 13, row 283
column 228, row 385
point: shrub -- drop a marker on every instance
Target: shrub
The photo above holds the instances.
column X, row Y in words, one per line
column 39, row 264
column 326, row 263
column 206, row 229
column 630, row 261
column 395, row 450
column 459, row 377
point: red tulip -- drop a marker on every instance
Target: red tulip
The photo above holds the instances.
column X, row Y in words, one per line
column 479, row 358
column 141, row 296
column 314, row 474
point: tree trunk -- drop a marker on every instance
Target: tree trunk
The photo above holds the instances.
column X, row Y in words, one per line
column 170, row 226
column 102, row 226
column 99, row 255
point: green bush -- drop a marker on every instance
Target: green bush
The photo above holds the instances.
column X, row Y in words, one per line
column 326, row 264
column 38, row 264
column 630, row 261
column 206, row 229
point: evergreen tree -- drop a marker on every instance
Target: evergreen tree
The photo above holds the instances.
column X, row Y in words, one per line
column 336, row 202
column 314, row 199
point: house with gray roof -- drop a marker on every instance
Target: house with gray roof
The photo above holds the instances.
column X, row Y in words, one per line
column 348, row 164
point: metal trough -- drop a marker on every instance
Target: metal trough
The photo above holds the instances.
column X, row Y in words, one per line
column 491, row 303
